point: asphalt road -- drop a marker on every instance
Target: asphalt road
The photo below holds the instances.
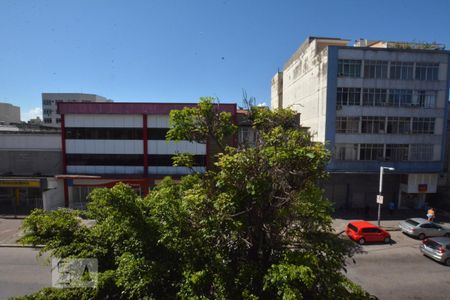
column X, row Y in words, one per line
column 400, row 271
column 21, row 272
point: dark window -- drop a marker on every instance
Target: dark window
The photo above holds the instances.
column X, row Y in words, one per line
column 374, row 97
column 426, row 225
column 157, row 133
column 371, row 152
column 432, row 244
column 375, row 69
column 105, row 159
column 348, row 96
column 371, row 230
column 402, row 98
column 104, row 133
column 397, row 152
column 412, row 222
column 427, row 71
column 158, row 160
column 352, row 227
column 402, row 70
column 349, row 68
column 423, row 125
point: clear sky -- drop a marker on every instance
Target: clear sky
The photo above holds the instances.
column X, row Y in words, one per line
column 179, row 50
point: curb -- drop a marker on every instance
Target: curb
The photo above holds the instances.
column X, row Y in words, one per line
column 21, row 246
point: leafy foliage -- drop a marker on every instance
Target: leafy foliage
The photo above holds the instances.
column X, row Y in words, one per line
column 256, row 227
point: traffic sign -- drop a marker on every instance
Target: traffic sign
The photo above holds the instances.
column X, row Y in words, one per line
column 379, row 199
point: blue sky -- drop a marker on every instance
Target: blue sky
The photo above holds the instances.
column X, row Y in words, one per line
column 179, row 50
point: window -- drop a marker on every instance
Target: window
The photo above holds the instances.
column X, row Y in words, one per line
column 396, row 152
column 346, row 152
column 352, row 227
column 400, row 98
column 348, row 96
column 371, row 152
column 427, row 71
column 247, row 135
column 58, row 120
column 423, row 126
column 163, row 160
column 105, row 159
column 104, row 133
column 402, row 70
column 398, row 125
column 371, row 230
column 47, row 112
column 372, row 124
column 349, row 68
column 47, row 120
column 375, row 69
column 374, row 97
column 47, row 102
column 425, row 99
column 157, row 133
column 421, row 152
column 347, row 124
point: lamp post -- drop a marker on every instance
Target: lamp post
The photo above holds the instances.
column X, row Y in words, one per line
column 381, row 190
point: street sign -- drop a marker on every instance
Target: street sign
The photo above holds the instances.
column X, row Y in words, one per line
column 379, row 199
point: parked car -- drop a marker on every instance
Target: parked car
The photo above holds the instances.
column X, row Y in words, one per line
column 423, row 228
column 438, row 248
column 362, row 232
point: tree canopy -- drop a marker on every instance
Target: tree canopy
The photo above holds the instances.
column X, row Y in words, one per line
column 255, row 227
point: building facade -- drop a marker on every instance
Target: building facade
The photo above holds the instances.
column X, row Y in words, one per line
column 106, row 143
column 29, row 159
column 374, row 104
column 51, row 100
column 9, row 113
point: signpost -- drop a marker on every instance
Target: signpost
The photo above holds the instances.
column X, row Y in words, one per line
column 379, row 196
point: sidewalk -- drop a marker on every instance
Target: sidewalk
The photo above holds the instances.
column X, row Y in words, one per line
column 9, row 231
column 388, row 221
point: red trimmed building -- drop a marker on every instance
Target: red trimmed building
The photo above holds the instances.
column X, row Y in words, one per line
column 106, row 143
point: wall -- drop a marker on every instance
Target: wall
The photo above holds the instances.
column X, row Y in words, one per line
column 9, row 113
column 304, row 88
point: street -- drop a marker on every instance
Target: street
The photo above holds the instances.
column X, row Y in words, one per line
column 400, row 271
column 22, row 272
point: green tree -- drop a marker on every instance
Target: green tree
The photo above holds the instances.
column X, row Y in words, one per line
column 255, row 227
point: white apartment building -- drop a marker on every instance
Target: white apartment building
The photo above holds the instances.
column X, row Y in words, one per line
column 50, row 100
column 9, row 113
column 374, row 104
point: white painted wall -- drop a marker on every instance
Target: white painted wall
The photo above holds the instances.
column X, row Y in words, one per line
column 53, row 197
column 31, row 141
column 102, row 120
column 104, row 146
column 171, row 147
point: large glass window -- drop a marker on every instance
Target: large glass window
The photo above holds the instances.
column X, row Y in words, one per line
column 349, row 68
column 105, row 159
column 375, row 69
column 157, row 133
column 397, row 152
column 164, row 160
column 372, row 124
column 374, row 97
column 402, row 70
column 347, row 124
column 423, row 125
column 425, row 99
column 421, row 152
column 399, row 97
column 427, row 71
column 348, row 96
column 398, row 125
column 104, row 133
column 346, row 152
column 371, row 152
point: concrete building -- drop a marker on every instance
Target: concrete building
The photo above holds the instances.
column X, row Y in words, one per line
column 9, row 113
column 374, row 104
column 30, row 157
column 106, row 143
column 50, row 101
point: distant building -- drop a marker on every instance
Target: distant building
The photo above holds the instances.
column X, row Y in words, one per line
column 50, row 101
column 106, row 143
column 374, row 104
column 9, row 113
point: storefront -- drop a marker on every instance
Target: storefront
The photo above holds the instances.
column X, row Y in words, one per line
column 18, row 196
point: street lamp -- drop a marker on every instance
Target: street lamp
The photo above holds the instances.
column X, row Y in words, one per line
column 380, row 197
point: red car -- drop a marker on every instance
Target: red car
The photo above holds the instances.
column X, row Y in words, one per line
column 362, row 231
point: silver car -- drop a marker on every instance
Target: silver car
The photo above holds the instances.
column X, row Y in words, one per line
column 437, row 248
column 423, row 228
